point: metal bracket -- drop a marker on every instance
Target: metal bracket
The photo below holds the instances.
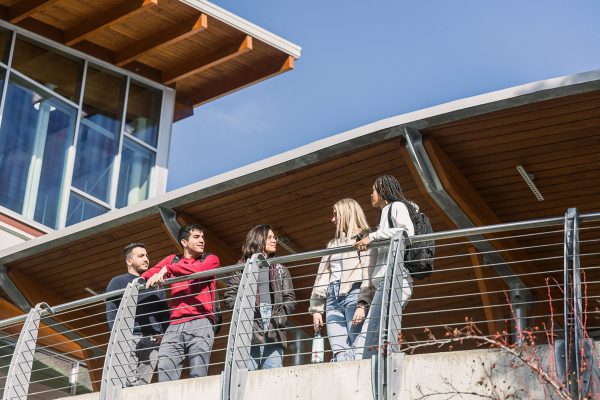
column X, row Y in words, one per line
column 169, row 218
column 12, row 290
column 118, row 363
column 21, row 364
column 237, row 357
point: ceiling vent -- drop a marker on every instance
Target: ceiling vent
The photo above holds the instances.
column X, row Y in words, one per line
column 528, row 178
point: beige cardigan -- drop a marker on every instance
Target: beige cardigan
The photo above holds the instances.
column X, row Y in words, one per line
column 356, row 267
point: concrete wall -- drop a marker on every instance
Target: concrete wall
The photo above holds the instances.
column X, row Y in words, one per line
column 474, row 374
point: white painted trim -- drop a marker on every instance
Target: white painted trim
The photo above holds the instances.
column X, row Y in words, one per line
column 91, row 198
column 316, row 152
column 139, row 141
column 165, row 131
column 245, row 26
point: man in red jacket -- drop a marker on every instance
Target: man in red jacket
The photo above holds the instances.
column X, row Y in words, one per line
column 192, row 303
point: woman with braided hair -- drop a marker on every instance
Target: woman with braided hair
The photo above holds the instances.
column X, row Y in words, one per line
column 393, row 207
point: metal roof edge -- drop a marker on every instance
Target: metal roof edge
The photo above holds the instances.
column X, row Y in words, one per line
column 312, row 153
column 245, row 26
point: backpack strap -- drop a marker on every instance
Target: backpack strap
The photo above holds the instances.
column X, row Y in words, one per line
column 389, row 216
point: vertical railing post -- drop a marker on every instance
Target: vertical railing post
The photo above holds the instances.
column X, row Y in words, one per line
column 21, row 364
column 390, row 322
column 237, row 356
column 118, row 362
column 577, row 350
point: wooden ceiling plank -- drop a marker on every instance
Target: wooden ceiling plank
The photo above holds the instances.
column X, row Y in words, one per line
column 221, row 88
column 106, row 19
column 165, row 37
column 526, row 114
column 199, row 65
column 27, row 8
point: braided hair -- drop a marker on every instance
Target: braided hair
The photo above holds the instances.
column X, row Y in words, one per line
column 389, row 189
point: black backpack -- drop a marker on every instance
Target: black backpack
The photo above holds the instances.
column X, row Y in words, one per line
column 215, row 298
column 418, row 257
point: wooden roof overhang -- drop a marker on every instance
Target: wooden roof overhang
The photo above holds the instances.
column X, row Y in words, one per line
column 198, row 48
column 552, row 128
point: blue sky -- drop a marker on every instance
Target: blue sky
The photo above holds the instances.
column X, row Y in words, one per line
column 363, row 61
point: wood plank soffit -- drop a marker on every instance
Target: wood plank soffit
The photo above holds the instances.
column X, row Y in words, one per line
column 197, row 66
column 223, row 88
column 106, row 19
column 27, row 8
column 166, row 37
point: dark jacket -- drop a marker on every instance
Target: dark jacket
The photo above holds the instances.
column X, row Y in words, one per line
column 283, row 299
column 152, row 312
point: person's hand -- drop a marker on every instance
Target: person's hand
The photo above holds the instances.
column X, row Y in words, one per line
column 157, row 339
column 359, row 316
column 317, row 321
column 158, row 277
column 363, row 243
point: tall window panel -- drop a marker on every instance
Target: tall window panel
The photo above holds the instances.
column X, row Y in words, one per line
column 99, row 133
column 36, row 132
column 143, row 113
column 135, row 173
column 81, row 209
column 58, row 72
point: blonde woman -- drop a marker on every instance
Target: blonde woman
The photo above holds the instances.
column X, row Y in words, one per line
column 342, row 288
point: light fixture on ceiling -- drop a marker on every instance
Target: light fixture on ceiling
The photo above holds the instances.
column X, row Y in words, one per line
column 283, row 242
column 528, row 178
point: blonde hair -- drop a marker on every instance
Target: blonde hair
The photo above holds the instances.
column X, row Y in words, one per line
column 349, row 220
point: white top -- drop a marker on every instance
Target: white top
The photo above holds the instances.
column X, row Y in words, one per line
column 402, row 221
column 335, row 268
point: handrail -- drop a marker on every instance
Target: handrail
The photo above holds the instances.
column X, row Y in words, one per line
column 536, row 223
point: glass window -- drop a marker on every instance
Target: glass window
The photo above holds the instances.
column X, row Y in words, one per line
column 81, row 209
column 134, row 175
column 5, row 37
column 36, row 133
column 54, row 70
column 143, row 113
column 99, row 133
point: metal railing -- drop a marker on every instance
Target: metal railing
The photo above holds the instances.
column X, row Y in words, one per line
column 554, row 258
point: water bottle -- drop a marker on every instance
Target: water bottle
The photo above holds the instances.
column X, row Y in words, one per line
column 318, row 348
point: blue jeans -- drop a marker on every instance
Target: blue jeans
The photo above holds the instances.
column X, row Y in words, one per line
column 339, row 313
column 368, row 340
column 266, row 356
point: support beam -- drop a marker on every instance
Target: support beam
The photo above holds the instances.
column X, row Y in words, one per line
column 166, row 37
column 106, row 19
column 220, row 56
column 222, row 88
column 27, row 8
column 492, row 314
column 182, row 109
